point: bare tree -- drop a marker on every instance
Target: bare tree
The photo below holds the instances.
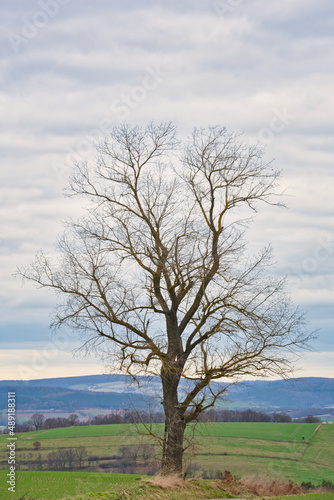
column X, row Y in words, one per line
column 73, row 419
column 69, row 456
column 57, row 459
column 156, row 270
column 37, row 420
column 80, row 455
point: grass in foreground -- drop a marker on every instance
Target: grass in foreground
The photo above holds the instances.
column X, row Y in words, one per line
column 173, row 488
column 90, row 486
column 100, row 486
column 309, row 496
column 56, row 485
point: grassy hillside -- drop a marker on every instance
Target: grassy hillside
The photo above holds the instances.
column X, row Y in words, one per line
column 87, row 486
column 258, row 430
column 274, row 449
column 90, row 486
column 309, row 496
column 243, row 448
column 51, row 485
column 250, row 430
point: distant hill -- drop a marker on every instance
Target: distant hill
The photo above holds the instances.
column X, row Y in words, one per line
column 307, row 392
column 116, row 391
column 67, row 382
column 32, row 398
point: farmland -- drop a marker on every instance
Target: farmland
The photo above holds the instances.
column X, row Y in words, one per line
column 275, row 449
column 99, row 486
column 253, row 430
column 90, row 486
column 56, row 484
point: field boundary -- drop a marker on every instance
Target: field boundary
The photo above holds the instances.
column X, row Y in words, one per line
column 319, row 463
column 225, row 454
column 316, row 430
column 256, row 439
column 297, row 429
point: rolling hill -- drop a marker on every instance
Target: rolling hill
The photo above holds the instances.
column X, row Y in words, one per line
column 313, row 395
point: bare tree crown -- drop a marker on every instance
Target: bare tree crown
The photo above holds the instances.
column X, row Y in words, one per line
column 158, row 264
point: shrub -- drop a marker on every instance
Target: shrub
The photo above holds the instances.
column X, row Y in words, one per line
column 37, row 445
column 327, row 484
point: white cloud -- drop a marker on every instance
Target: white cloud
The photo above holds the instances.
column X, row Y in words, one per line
column 45, row 362
column 265, row 68
column 316, row 364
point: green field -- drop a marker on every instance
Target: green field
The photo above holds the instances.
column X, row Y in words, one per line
column 259, row 430
column 54, row 485
column 310, row 496
column 254, row 430
column 99, row 486
column 81, row 486
column 273, row 449
column 78, row 432
column 245, row 449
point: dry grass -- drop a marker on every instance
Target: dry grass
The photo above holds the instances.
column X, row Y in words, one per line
column 259, row 485
column 264, row 486
column 250, row 486
column 170, row 482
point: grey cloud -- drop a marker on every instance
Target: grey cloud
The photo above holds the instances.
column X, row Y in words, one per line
column 308, row 21
column 243, row 69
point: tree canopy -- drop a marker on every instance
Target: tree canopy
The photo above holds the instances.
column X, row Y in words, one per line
column 157, row 269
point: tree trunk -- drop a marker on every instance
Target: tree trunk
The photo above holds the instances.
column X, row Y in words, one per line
column 174, row 424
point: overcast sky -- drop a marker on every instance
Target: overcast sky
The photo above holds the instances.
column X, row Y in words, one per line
column 71, row 69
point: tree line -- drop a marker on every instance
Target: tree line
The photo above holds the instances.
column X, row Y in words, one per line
column 39, row 422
